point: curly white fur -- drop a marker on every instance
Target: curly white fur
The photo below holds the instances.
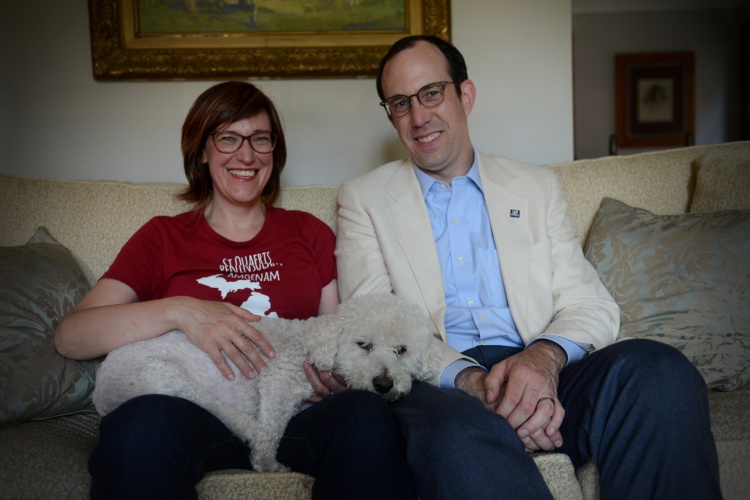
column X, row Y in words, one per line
column 378, row 343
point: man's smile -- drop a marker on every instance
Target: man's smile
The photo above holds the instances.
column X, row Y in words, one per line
column 429, row 138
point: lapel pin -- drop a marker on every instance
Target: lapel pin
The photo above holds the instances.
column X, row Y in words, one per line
column 515, row 213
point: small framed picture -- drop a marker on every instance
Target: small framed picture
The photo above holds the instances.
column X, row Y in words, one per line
column 655, row 99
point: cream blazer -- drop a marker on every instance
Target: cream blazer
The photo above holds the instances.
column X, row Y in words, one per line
column 385, row 244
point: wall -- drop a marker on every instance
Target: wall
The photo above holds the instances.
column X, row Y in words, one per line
column 56, row 121
column 711, row 34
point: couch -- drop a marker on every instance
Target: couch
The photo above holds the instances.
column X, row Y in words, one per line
column 58, row 236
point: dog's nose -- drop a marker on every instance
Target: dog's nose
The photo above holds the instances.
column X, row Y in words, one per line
column 382, row 383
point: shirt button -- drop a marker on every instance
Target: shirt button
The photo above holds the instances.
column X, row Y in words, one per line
column 455, row 222
column 481, row 342
column 470, row 301
column 460, row 260
column 481, row 316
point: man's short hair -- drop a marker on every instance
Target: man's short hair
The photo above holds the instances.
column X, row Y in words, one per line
column 454, row 59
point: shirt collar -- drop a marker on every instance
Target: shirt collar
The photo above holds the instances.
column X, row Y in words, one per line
column 426, row 181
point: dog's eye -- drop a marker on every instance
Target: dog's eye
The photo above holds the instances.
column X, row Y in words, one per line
column 365, row 345
column 400, row 350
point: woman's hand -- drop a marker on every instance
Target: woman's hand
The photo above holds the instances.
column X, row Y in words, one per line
column 111, row 316
column 324, row 383
column 224, row 332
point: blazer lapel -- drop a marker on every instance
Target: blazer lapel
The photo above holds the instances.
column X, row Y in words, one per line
column 510, row 230
column 413, row 232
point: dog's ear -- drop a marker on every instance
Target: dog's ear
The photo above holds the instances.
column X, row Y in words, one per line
column 428, row 362
column 321, row 341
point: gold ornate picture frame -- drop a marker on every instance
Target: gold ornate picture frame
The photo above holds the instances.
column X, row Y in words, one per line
column 120, row 51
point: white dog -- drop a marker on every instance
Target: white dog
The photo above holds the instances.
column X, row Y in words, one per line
column 377, row 343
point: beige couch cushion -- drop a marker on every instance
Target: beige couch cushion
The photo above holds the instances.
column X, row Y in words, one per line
column 722, row 182
column 731, row 428
column 80, row 214
column 48, row 459
column 660, row 182
column 639, row 180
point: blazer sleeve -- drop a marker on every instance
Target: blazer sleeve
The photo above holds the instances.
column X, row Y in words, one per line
column 583, row 310
column 361, row 266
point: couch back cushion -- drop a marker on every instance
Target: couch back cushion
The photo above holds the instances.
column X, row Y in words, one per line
column 722, row 181
column 657, row 182
column 661, row 182
column 94, row 219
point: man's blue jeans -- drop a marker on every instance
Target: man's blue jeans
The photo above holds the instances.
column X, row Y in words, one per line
column 639, row 410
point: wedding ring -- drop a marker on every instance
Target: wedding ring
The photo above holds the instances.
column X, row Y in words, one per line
column 542, row 399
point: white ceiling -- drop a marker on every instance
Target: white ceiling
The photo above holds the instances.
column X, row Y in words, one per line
column 597, row 6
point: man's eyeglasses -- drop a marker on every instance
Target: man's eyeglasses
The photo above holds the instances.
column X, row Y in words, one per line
column 231, row 142
column 428, row 96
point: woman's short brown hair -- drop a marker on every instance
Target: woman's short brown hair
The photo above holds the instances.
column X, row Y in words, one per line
column 221, row 105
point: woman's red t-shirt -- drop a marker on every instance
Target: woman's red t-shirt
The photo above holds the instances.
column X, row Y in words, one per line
column 279, row 273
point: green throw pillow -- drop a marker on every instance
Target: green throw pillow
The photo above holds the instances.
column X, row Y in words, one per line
column 680, row 279
column 39, row 283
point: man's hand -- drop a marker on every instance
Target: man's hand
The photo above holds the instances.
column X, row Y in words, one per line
column 473, row 382
column 523, row 389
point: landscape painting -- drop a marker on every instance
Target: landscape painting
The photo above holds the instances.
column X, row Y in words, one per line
column 240, row 16
column 219, row 39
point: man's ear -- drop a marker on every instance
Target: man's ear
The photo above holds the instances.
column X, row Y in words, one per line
column 468, row 95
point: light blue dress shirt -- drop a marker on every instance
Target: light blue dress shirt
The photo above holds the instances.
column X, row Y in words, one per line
column 477, row 311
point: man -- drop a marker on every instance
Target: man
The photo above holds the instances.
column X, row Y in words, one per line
column 485, row 246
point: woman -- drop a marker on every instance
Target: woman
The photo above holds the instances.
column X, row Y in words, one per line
column 206, row 272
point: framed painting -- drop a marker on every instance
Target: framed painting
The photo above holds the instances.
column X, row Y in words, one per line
column 219, row 39
column 655, row 97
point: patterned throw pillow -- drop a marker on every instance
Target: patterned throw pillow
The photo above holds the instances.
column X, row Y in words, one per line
column 39, row 283
column 680, row 279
